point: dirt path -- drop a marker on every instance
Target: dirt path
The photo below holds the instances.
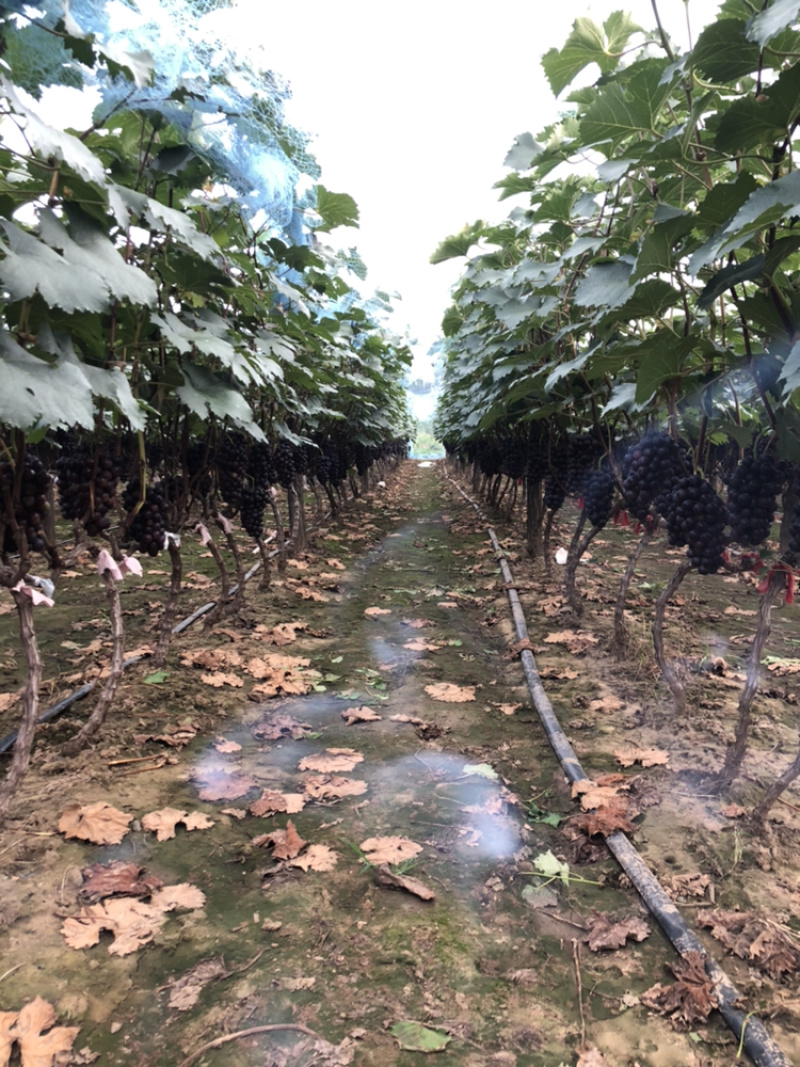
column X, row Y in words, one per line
column 405, row 601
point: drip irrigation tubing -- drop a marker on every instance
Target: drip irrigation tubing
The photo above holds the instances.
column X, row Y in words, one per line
column 749, row 1031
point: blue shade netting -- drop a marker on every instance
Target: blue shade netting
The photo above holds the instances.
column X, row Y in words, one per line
column 228, row 110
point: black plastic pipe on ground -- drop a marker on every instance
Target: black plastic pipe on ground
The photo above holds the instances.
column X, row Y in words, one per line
column 748, row 1030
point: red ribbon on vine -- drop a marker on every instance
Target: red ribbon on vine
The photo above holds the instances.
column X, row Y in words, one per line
column 776, row 568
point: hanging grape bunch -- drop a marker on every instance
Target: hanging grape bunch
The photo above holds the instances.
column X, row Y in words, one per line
column 598, row 497
column 652, row 467
column 148, row 525
column 284, row 461
column 555, row 484
column 752, row 499
column 87, row 487
column 231, row 471
column 29, row 510
column 514, row 456
column 696, row 517
column 255, row 494
column 581, row 457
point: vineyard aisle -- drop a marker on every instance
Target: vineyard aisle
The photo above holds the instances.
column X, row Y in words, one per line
column 334, row 822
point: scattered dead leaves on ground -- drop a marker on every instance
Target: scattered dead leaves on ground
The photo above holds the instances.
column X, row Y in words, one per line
column 575, row 641
column 132, row 922
column 331, row 761
column 372, row 613
column 278, row 674
column 316, row 858
column 216, row 781
column 226, row 747
column 752, row 936
column 7, row 700
column 604, row 790
column 451, row 694
column 99, row 823
column 117, row 878
column 271, row 802
column 687, row 886
column 689, row 1000
column 648, row 757
column 363, row 714
column 162, row 823
column 280, row 726
column 606, row 933
column 41, row 1042
column 177, row 736
column 333, row 787
column 417, row 624
column 390, row 850
column 220, row 678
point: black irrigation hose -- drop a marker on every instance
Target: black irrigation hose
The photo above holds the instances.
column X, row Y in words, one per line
column 749, row 1031
column 8, row 741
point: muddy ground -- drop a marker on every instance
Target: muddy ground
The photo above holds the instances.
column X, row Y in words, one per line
column 399, row 596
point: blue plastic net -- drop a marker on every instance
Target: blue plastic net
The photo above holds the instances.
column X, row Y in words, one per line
column 229, row 111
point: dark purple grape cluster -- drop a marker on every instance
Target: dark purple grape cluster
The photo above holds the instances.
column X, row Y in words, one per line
column 148, row 525
column 260, row 469
column 231, row 471
column 752, row 499
column 513, row 452
column 200, row 481
column 582, row 455
column 696, row 517
column 554, row 493
column 651, row 467
column 31, row 505
column 489, row 458
column 598, row 497
column 254, row 500
column 87, row 487
column 284, row 461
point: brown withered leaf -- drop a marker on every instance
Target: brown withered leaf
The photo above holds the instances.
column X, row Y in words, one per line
column 333, row 787
column 335, row 564
column 218, row 782
column 220, row 678
column 133, row 923
column 392, row 850
column 41, row 1043
column 285, row 633
column 280, row 726
column 575, row 641
column 451, row 694
column 686, row 886
column 689, row 1000
column 307, row 593
column 176, row 736
column 185, row 991
column 372, row 613
column 604, row 820
column 733, row 811
column 752, row 936
column 331, row 761
column 299, row 564
column 286, row 844
column 595, row 794
column 648, row 757
column 363, row 714
column 417, row 624
column 413, row 719
column 418, row 645
column 523, row 645
column 226, row 747
column 99, row 823
column 592, row 1057
column 117, row 878
column 507, row 709
column 6, row 701
column 271, row 801
column 215, row 659
column 605, row 933
column 607, row 703
column 384, row 876
column 162, row 823
column 316, row 858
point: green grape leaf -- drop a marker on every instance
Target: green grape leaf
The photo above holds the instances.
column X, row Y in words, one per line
column 588, row 43
column 523, row 153
column 335, row 209
column 551, row 867
column 622, row 111
column 29, row 266
column 418, row 1038
column 723, row 52
column 729, row 276
column 780, row 15
column 751, row 121
column 459, row 244
column 203, row 392
column 606, row 285
column 34, row 391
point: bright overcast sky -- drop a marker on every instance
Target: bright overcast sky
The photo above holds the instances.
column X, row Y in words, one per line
column 413, row 107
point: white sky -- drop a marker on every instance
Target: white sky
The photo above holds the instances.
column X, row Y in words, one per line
column 414, row 106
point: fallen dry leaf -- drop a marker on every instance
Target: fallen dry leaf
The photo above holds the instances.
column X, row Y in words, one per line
column 753, row 937
column 595, row 794
column 226, row 747
column 286, row 844
column 372, row 613
column 385, row 877
column 604, row 933
column 285, row 633
column 448, row 604
column 333, row 787
column 418, row 645
column 689, row 1000
column 331, row 761
column 417, row 624
column 280, row 726
column 507, row 709
column 363, row 714
column 451, row 694
column 132, row 922
column 605, row 820
column 99, row 823
column 575, row 641
column 390, row 850
column 220, row 678
column 316, row 858
column 592, row 1057
column 298, row 564
column 648, row 757
column 606, row 703
column 733, row 811
column 27, row 1027
column 6, row 701
column 307, row 593
column 117, row 878
column 185, row 991
column 217, row 782
column 686, row 886
column 162, row 823
column 336, row 564
column 174, row 736
column 271, row 801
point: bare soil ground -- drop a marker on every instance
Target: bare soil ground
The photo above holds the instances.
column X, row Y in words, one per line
column 301, row 917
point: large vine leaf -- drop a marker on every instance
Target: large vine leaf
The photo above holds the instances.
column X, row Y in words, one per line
column 779, row 16
column 723, row 52
column 588, row 43
column 335, row 209
column 203, row 392
column 29, row 266
column 35, row 392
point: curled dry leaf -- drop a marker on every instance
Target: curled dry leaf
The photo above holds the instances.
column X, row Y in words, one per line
column 41, row 1043
column 451, row 694
column 185, row 991
column 752, row 936
column 686, row 886
column 372, row 613
column 316, row 858
column 331, row 761
column 271, row 801
column 389, row 849
column 99, row 823
column 575, row 641
column 280, row 726
column 175, row 736
column 689, row 1000
column 8, row 699
column 418, row 645
column 417, row 624
column 162, row 823
column 507, row 709
column 217, row 782
column 595, row 795
column 733, row 811
column 333, row 787
column 335, row 564
column 285, row 633
column 648, row 757
column 226, row 747
column 604, row 820
column 286, row 844
column 386, row 877
column 220, row 678
column 363, row 714
column 117, row 878
column 606, row 934
column 307, row 593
